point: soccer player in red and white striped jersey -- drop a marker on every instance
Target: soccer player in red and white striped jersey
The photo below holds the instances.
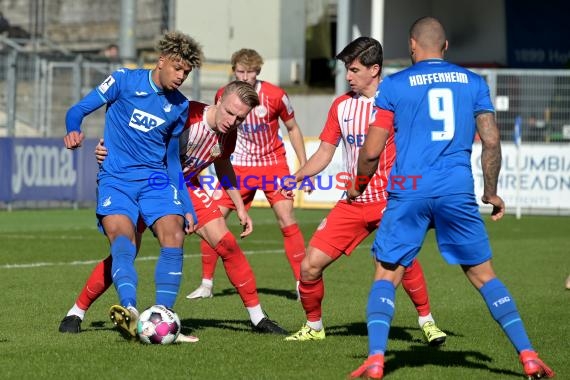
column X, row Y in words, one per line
column 260, row 157
column 349, row 223
column 209, row 138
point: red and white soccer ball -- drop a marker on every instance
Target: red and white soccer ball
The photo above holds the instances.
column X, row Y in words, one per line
column 158, row 325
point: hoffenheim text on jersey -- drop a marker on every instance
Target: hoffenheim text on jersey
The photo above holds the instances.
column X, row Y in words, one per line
column 445, row 77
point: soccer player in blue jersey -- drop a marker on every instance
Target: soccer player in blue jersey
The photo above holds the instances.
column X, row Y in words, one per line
column 144, row 110
column 434, row 109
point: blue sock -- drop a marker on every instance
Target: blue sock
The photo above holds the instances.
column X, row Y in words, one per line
column 123, row 270
column 379, row 314
column 503, row 309
column 168, row 275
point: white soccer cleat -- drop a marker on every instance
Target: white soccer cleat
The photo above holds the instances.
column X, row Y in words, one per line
column 181, row 338
column 203, row 291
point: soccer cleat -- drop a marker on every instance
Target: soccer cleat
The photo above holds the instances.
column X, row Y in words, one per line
column 125, row 318
column 534, row 368
column 267, row 326
column 181, row 338
column 202, row 291
column 568, row 283
column 307, row 333
column 372, row 368
column 70, row 324
column 433, row 335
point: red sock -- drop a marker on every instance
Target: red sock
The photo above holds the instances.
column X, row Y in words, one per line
column 97, row 283
column 294, row 247
column 312, row 294
column 209, row 260
column 238, row 270
column 415, row 285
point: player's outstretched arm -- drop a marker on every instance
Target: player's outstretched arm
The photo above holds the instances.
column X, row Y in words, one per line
column 316, row 164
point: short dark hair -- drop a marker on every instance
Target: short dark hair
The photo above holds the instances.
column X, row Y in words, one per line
column 429, row 32
column 367, row 50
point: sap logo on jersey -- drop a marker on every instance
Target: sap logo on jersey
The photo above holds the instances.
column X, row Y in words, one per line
column 144, row 121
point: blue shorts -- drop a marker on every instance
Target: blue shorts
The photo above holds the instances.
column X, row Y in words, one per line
column 134, row 198
column 459, row 230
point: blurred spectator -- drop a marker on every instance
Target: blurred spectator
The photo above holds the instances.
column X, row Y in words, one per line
column 4, row 23
column 12, row 31
column 111, row 52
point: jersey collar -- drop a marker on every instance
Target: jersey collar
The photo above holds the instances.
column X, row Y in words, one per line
column 153, row 85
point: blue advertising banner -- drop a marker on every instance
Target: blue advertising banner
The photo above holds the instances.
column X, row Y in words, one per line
column 41, row 169
column 537, row 33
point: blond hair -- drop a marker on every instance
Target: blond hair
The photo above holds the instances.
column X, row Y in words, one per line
column 247, row 57
column 245, row 92
column 180, row 46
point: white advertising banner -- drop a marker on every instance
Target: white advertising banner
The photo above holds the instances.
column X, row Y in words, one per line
column 329, row 185
column 544, row 176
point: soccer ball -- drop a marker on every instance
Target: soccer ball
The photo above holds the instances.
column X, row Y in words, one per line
column 158, row 325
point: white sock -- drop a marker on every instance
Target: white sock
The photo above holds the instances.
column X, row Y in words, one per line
column 316, row 325
column 76, row 310
column 133, row 311
column 208, row 283
column 424, row 319
column 255, row 314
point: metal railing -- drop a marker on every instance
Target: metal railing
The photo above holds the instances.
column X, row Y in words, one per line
column 38, row 88
column 540, row 97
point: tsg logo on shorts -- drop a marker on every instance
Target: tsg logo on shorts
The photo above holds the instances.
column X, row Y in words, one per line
column 144, row 121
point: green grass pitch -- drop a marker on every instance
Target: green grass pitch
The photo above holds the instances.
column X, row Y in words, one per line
column 45, row 257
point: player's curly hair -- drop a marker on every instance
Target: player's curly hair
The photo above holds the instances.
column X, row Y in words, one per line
column 244, row 91
column 247, row 57
column 181, row 46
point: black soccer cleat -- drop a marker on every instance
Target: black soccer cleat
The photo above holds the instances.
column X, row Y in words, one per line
column 70, row 324
column 267, row 326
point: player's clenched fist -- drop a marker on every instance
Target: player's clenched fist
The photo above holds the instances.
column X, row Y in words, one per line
column 73, row 139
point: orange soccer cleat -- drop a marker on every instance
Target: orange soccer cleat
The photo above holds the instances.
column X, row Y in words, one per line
column 533, row 367
column 372, row 368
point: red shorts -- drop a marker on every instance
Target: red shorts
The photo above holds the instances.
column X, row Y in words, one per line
column 206, row 207
column 346, row 226
column 252, row 178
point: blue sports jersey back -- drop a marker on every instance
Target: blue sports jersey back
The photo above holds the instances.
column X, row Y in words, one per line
column 435, row 104
column 139, row 122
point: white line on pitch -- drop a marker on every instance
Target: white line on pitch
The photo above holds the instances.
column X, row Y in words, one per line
column 91, row 262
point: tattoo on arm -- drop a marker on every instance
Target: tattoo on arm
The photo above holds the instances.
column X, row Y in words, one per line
column 491, row 154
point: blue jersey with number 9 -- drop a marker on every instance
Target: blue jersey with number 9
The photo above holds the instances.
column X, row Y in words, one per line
column 435, row 104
